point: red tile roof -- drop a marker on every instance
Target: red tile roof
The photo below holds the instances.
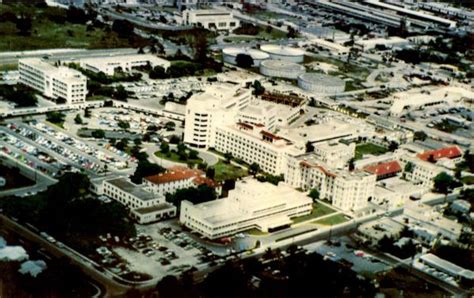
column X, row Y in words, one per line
column 384, row 168
column 175, row 174
column 309, row 165
column 448, row 152
column 204, row 180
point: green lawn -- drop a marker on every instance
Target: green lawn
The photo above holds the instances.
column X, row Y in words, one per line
column 318, row 211
column 468, row 180
column 58, row 124
column 228, row 171
column 368, row 148
column 173, row 156
column 8, row 67
column 46, row 34
column 331, row 220
column 256, row 232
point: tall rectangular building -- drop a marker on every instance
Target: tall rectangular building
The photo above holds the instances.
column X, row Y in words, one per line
column 53, row 82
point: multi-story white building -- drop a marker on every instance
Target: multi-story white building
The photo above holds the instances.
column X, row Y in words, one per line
column 334, row 154
column 253, row 143
column 419, row 171
column 126, row 63
column 212, row 19
column 129, row 194
column 53, row 82
column 349, row 191
column 206, row 111
column 251, row 204
column 259, row 113
column 144, row 206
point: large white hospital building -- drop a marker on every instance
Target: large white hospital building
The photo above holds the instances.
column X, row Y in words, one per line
column 349, row 191
column 251, row 204
column 53, row 82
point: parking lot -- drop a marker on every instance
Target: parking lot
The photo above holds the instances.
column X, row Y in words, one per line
column 150, row 92
column 343, row 249
column 157, row 251
column 108, row 119
column 44, row 147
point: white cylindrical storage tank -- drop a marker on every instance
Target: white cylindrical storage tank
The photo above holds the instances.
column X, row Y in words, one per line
column 281, row 69
column 321, row 83
column 285, row 53
column 230, row 54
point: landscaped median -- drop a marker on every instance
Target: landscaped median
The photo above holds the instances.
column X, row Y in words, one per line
column 174, row 157
column 319, row 210
column 331, row 220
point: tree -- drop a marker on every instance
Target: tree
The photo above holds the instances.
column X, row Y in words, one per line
column 258, row 88
column 244, row 61
column 137, row 141
column 199, row 46
column 193, row 154
column 392, row 146
column 123, row 28
column 228, row 157
column 120, row 93
column 164, row 147
column 144, row 169
column 98, row 134
column 443, row 182
column 351, row 164
column 314, row 194
column 309, row 147
column 292, row 32
column 76, row 15
column 409, row 167
column 55, row 117
column 195, row 195
column 158, row 72
column 210, row 172
column 420, row 135
column 87, row 113
column 24, row 25
column 170, row 126
column 123, row 125
column 254, row 168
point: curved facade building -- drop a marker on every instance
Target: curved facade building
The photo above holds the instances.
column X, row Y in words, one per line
column 320, row 83
column 230, row 54
column 277, row 52
column 281, row 69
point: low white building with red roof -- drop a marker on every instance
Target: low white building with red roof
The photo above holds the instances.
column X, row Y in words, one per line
column 384, row 170
column 452, row 152
column 178, row 177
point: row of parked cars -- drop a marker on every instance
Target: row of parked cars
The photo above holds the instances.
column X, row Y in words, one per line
column 81, row 160
column 44, row 162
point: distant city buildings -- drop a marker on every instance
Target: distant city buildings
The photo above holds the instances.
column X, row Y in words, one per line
column 53, row 82
column 212, row 19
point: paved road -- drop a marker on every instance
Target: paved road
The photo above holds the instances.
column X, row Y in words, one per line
column 67, row 54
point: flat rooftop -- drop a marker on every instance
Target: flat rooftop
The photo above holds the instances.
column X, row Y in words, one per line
column 159, row 207
column 132, row 189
